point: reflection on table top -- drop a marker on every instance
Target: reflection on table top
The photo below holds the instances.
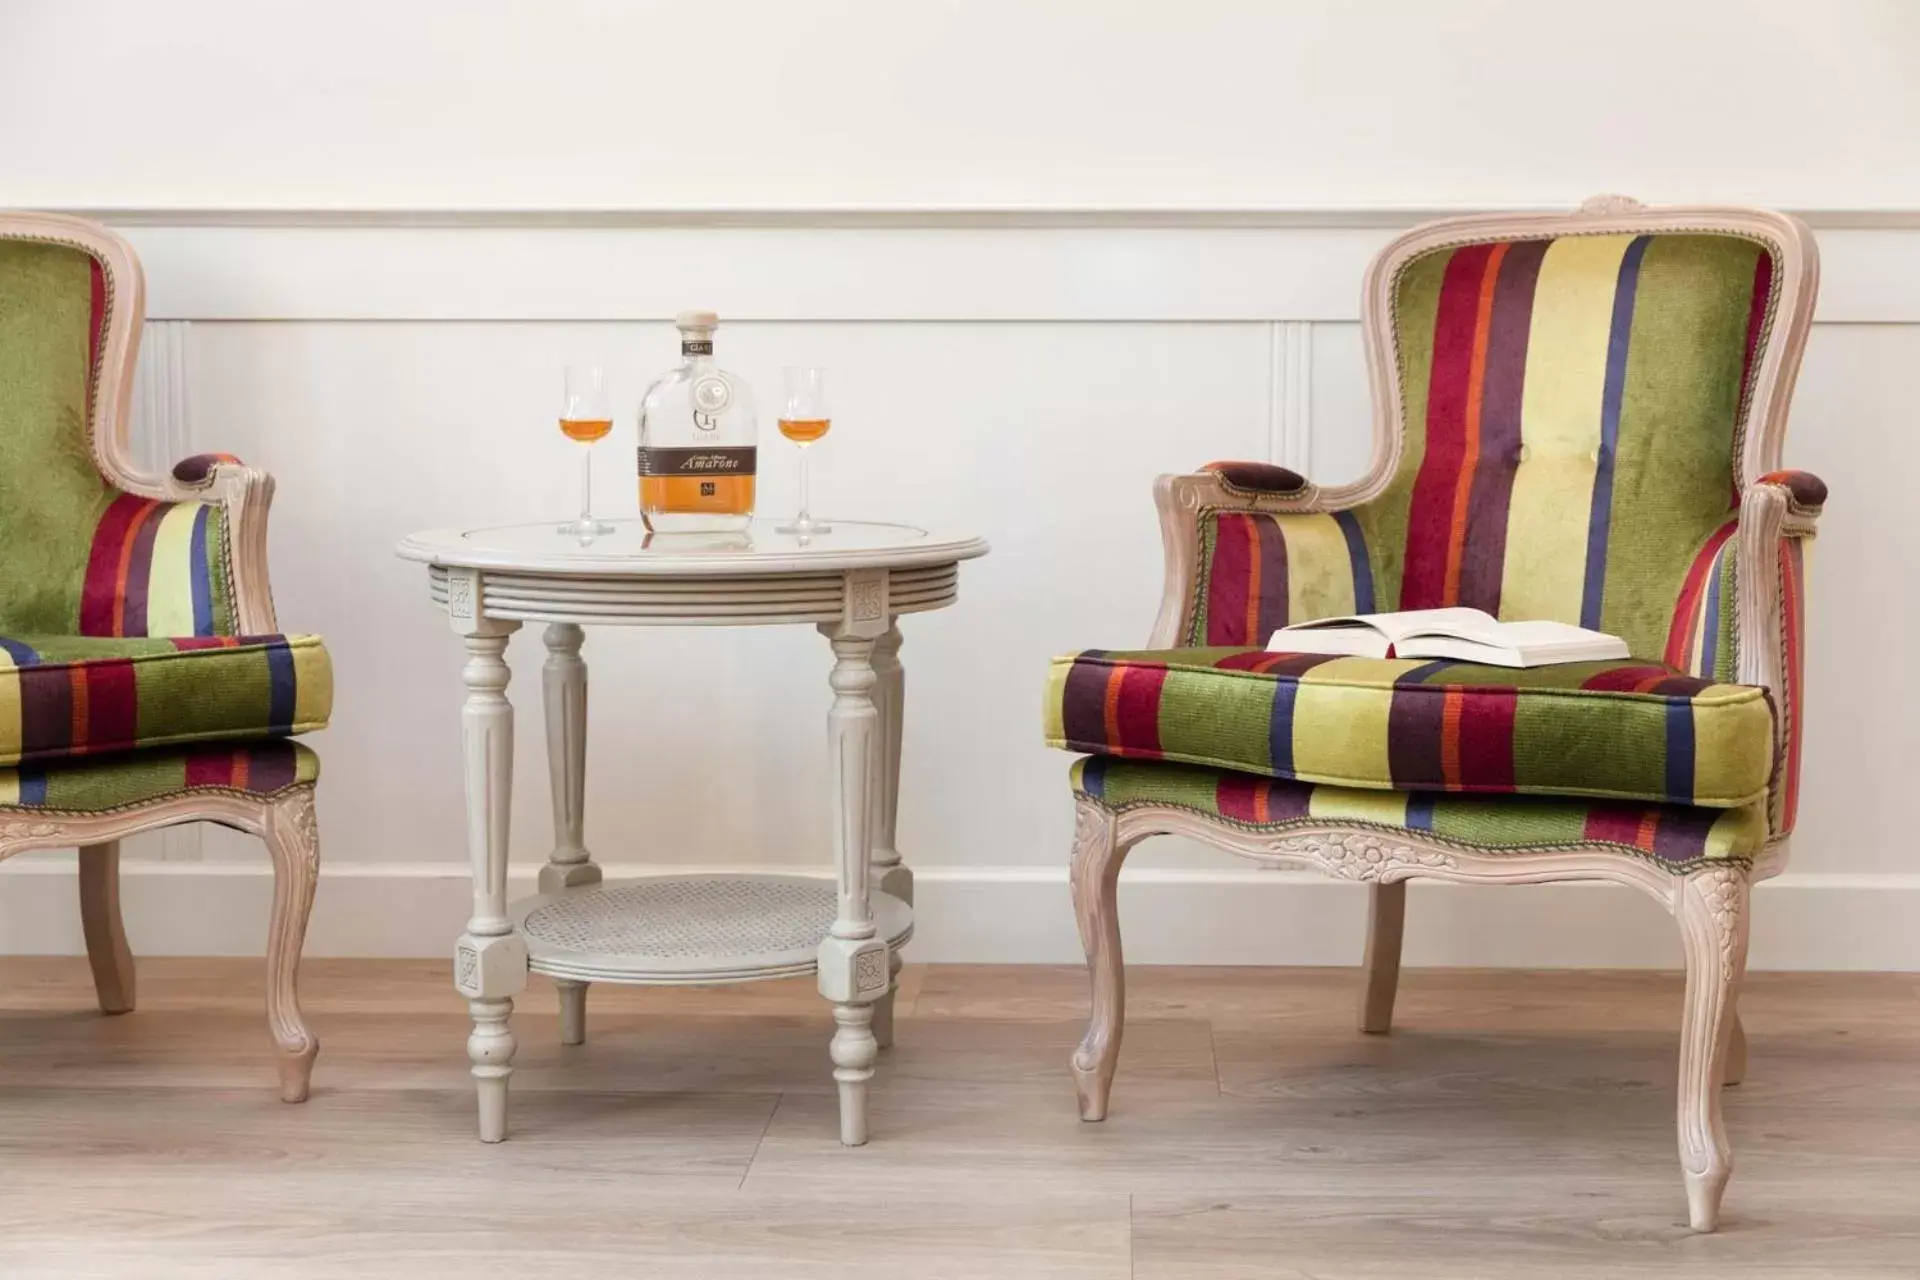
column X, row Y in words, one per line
column 631, row 550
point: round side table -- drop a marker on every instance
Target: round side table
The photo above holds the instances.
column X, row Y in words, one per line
column 853, row 584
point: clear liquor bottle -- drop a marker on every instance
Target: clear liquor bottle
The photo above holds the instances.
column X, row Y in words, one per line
column 698, row 440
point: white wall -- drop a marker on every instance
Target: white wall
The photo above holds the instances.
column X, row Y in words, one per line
column 1019, row 375
column 763, row 104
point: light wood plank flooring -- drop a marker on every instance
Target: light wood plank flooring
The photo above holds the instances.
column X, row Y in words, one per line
column 1516, row 1124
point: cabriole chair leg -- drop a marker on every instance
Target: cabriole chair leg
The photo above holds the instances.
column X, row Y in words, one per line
column 1386, row 921
column 1097, row 856
column 293, row 841
column 1712, row 911
column 107, row 950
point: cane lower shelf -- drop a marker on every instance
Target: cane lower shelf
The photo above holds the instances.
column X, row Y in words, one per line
column 690, row 929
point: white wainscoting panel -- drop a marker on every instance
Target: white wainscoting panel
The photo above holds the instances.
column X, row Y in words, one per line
column 160, row 432
column 1025, row 382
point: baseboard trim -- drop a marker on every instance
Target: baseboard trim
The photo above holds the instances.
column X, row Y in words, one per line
column 1022, row 915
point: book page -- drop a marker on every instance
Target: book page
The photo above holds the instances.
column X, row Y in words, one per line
column 1395, row 626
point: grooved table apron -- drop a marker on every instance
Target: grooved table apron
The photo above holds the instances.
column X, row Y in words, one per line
column 853, row 584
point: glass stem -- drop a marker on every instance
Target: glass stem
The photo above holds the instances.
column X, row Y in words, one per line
column 586, row 488
column 806, row 507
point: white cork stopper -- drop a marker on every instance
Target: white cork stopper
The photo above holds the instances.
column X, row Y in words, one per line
column 697, row 321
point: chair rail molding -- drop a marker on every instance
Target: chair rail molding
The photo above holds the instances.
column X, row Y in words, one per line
column 842, row 265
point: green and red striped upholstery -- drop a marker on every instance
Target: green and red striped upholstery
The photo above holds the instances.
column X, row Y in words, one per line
column 1701, row 640
column 1570, row 412
column 1677, row 837
column 157, row 569
column 1633, row 731
column 78, row 557
column 119, row 658
column 62, row 697
column 1571, row 426
column 114, row 782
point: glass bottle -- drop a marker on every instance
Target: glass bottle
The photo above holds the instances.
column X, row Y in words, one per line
column 698, row 440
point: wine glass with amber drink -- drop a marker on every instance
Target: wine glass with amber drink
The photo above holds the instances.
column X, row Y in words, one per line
column 804, row 420
column 586, row 416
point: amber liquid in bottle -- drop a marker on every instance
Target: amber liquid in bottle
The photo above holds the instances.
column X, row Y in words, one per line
column 804, row 430
column 716, row 495
column 586, row 430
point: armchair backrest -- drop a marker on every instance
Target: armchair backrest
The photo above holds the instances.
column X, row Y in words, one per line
column 1568, row 406
column 88, row 544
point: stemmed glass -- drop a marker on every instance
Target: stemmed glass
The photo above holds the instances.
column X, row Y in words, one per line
column 803, row 420
column 586, row 415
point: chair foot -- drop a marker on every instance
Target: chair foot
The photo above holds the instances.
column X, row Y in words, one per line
column 1097, row 855
column 1093, row 1082
column 296, row 1070
column 1704, row 1192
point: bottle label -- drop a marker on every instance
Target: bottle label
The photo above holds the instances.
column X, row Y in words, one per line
column 737, row 461
column 696, row 346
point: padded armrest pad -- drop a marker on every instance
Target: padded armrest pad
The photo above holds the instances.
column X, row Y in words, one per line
column 1805, row 490
column 1257, row 477
column 199, row 468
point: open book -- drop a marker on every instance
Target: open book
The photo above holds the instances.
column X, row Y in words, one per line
column 1468, row 635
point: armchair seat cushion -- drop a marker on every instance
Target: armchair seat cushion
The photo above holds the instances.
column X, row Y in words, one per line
column 1678, row 837
column 65, row 697
column 1628, row 730
column 263, row 767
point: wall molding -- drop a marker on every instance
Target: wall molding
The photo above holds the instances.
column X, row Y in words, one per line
column 161, row 434
column 1115, row 268
column 1013, row 915
column 880, row 217
column 1290, row 396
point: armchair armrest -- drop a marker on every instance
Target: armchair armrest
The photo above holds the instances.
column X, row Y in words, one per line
column 1742, row 606
column 1257, row 479
column 1806, row 495
column 1250, row 547
column 1779, row 513
column 198, row 471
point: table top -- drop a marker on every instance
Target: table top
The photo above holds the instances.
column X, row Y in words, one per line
column 630, row 551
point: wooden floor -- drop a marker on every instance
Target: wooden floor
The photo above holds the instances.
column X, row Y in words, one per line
column 1516, row 1124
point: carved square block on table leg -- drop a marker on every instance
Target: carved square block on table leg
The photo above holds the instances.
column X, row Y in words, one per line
column 489, row 968
column 853, row 970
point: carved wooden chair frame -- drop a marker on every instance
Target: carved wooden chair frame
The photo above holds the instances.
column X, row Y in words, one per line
column 285, row 821
column 1710, row 904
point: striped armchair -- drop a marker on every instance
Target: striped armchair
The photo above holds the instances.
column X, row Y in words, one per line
column 1577, row 417
column 143, row 680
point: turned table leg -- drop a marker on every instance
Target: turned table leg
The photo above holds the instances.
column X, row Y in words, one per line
column 891, row 874
column 490, row 962
column 853, row 959
column 564, row 688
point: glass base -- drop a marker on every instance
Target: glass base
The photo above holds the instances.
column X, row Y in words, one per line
column 804, row 526
column 584, row 528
